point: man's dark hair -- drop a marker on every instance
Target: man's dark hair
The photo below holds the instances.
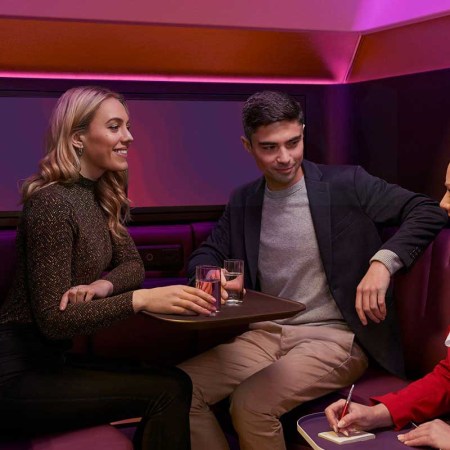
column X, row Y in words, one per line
column 266, row 107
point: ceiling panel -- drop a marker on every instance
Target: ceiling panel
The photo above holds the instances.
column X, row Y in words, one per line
column 86, row 47
column 286, row 15
column 419, row 47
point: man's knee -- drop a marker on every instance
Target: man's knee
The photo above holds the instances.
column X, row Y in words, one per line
column 254, row 417
column 246, row 404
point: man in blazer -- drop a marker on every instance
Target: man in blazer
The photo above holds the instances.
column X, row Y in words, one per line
column 307, row 232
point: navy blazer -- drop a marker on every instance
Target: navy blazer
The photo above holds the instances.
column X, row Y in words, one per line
column 348, row 206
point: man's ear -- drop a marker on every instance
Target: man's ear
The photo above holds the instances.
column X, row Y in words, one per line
column 247, row 145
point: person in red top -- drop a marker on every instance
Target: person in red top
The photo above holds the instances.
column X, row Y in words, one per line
column 445, row 202
column 422, row 400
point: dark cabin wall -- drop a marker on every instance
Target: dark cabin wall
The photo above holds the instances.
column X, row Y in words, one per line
column 400, row 129
column 397, row 128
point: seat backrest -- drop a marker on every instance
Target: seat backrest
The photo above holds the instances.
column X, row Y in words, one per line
column 201, row 230
column 422, row 298
column 164, row 249
column 8, row 260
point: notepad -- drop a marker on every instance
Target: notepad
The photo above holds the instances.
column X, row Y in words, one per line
column 338, row 438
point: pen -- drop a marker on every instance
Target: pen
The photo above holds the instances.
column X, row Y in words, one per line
column 347, row 402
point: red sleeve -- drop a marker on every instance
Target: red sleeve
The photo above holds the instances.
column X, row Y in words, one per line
column 423, row 399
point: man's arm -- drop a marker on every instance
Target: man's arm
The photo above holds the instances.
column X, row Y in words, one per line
column 215, row 249
column 419, row 219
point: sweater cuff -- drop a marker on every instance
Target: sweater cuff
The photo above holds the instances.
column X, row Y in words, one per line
column 390, row 259
column 399, row 418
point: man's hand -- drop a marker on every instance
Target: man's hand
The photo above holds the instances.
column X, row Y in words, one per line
column 371, row 292
column 228, row 284
column 435, row 434
column 359, row 417
column 223, row 291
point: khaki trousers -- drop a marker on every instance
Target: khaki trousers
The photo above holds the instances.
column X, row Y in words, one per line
column 268, row 371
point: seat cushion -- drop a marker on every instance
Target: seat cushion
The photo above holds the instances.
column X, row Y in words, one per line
column 103, row 437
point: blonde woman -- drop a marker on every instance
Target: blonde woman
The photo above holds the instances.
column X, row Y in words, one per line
column 71, row 231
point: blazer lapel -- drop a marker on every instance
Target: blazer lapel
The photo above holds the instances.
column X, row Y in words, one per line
column 320, row 207
column 252, row 229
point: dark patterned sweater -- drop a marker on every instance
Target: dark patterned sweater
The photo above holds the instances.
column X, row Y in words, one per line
column 63, row 241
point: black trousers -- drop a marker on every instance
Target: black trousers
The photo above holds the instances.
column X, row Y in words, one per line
column 66, row 395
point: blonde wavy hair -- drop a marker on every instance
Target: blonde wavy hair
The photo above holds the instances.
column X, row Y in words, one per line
column 72, row 114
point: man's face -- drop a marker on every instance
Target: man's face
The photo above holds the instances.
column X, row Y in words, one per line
column 445, row 202
column 278, row 152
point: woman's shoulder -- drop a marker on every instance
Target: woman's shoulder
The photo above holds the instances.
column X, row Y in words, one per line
column 48, row 200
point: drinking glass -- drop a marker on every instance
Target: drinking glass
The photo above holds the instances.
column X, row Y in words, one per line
column 234, row 276
column 207, row 278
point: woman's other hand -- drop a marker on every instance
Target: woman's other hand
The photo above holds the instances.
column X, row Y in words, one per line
column 434, row 434
column 86, row 292
column 178, row 299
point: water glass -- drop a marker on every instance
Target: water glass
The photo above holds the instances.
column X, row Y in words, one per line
column 234, row 276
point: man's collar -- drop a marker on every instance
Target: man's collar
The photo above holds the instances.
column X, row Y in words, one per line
column 311, row 170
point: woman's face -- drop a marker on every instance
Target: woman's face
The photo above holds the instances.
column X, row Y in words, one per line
column 106, row 140
column 445, row 202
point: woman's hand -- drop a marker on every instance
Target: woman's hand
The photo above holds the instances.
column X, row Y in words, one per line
column 435, row 434
column 86, row 292
column 179, row 299
column 359, row 417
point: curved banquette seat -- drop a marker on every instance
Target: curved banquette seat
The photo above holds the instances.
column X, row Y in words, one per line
column 422, row 298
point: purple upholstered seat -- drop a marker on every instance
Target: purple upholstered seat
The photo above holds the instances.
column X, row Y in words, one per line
column 103, row 437
column 201, row 231
column 9, row 260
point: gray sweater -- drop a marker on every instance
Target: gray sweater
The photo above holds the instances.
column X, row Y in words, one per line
column 289, row 263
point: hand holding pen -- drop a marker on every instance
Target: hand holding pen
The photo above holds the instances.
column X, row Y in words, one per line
column 345, row 416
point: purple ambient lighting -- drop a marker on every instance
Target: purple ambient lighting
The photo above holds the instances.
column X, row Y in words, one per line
column 168, row 78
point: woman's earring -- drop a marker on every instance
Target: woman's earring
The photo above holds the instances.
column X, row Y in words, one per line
column 80, row 151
